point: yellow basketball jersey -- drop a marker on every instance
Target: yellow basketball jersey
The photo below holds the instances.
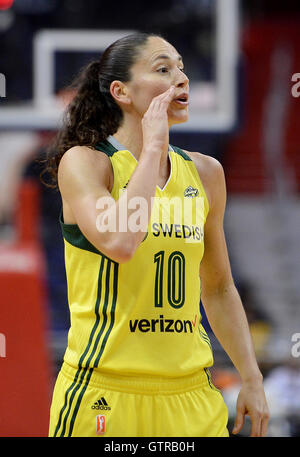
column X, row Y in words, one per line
column 142, row 317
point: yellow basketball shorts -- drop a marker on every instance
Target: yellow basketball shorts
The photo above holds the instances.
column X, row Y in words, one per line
column 87, row 403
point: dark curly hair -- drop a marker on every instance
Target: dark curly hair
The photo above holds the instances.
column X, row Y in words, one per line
column 93, row 114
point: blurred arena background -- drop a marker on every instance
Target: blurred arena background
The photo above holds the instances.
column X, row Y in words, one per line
column 243, row 60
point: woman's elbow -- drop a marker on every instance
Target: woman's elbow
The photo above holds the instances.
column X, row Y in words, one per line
column 119, row 252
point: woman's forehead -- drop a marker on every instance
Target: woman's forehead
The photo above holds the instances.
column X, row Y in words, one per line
column 156, row 48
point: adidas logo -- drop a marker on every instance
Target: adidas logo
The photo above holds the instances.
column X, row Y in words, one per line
column 101, row 404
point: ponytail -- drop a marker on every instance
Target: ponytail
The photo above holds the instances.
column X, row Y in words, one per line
column 89, row 119
column 93, row 114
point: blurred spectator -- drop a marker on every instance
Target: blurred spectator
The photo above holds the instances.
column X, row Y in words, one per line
column 283, row 391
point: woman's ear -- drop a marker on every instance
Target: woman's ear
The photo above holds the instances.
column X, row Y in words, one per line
column 120, row 92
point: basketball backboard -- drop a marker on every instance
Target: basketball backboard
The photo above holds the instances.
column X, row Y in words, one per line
column 212, row 102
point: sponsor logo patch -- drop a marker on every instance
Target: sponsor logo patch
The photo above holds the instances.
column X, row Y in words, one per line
column 191, row 192
column 100, row 424
column 101, row 404
column 162, row 325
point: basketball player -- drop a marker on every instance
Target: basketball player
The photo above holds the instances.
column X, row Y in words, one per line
column 137, row 353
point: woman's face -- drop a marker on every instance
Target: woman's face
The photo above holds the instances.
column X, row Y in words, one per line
column 158, row 67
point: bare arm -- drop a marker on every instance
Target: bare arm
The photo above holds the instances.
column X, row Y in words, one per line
column 219, row 294
column 224, row 308
column 83, row 178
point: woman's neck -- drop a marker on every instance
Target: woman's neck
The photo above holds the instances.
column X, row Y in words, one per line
column 130, row 139
column 130, row 135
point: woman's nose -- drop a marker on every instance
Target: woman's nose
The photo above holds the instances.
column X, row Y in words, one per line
column 182, row 80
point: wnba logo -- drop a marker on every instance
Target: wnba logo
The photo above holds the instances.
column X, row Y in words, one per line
column 100, row 425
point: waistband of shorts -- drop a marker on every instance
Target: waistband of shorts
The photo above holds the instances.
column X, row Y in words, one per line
column 139, row 384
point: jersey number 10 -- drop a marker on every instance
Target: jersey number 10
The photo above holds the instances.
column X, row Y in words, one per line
column 175, row 281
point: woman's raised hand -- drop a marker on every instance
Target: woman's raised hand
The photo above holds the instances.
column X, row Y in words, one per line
column 155, row 123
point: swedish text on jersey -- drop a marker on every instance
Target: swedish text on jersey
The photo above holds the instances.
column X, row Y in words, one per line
column 168, row 213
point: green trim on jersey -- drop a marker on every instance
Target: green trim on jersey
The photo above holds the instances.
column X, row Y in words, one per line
column 181, row 153
column 74, row 236
column 110, row 150
column 86, row 364
column 211, row 385
column 106, row 147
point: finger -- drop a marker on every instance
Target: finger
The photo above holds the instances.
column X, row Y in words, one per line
column 264, row 425
column 162, row 101
column 239, row 422
column 255, row 425
column 168, row 93
column 169, row 96
column 165, row 96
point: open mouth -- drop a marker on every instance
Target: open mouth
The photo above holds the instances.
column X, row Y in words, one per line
column 183, row 99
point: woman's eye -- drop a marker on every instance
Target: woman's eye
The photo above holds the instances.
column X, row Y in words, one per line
column 166, row 70
column 163, row 70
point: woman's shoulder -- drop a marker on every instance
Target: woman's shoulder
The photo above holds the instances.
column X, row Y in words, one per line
column 204, row 163
column 208, row 167
column 84, row 156
column 210, row 171
column 84, row 163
